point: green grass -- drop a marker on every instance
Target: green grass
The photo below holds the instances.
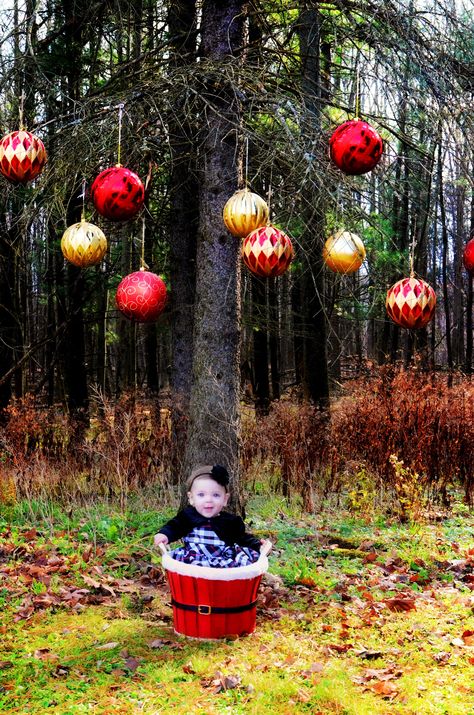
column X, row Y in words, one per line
column 330, row 636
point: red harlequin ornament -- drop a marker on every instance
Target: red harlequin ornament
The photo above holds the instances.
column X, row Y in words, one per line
column 118, row 193
column 411, row 303
column 267, row 251
column 355, row 147
column 141, row 296
column 22, row 156
column 468, row 257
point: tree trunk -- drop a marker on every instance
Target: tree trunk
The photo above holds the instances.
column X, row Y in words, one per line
column 315, row 370
column 182, row 230
column 214, row 430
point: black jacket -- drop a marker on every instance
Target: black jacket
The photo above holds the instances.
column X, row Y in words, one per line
column 228, row 527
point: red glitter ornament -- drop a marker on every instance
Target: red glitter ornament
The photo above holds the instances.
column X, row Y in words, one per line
column 118, row 193
column 355, row 147
column 411, row 303
column 22, row 156
column 468, row 257
column 141, row 296
column 267, row 251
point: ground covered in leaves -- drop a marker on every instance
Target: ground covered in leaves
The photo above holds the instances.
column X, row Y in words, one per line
column 356, row 617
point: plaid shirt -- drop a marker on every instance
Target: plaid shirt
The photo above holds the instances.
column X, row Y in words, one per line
column 202, row 547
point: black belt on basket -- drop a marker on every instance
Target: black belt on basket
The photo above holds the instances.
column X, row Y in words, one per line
column 205, row 610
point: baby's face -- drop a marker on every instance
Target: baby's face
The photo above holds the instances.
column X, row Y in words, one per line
column 207, row 496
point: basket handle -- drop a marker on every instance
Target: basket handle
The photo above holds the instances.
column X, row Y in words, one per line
column 163, row 548
column 266, row 548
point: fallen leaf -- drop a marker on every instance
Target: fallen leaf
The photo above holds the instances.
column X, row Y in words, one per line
column 188, row 668
column 4, row 664
column 468, row 637
column 132, row 663
column 313, row 668
column 45, row 654
column 384, row 688
column 400, row 604
column 107, row 646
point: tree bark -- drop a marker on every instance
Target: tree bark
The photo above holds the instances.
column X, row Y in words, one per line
column 184, row 216
column 214, row 430
column 315, row 369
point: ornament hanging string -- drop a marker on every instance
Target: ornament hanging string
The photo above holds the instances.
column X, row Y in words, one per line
column 412, row 253
column 83, row 196
column 21, row 108
column 246, row 169
column 269, row 195
column 143, row 265
column 119, row 147
column 357, row 95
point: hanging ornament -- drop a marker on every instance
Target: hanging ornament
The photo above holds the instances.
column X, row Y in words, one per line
column 83, row 244
column 344, row 252
column 244, row 212
column 118, row 193
column 141, row 296
column 355, row 147
column 468, row 257
column 411, row 302
column 22, row 156
column 267, row 251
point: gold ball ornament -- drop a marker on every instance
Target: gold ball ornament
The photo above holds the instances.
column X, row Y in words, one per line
column 244, row 212
column 344, row 252
column 83, row 244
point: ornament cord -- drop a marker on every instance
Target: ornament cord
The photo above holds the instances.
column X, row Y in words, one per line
column 119, row 146
column 83, row 195
column 21, row 110
column 143, row 265
column 412, row 252
column 357, row 95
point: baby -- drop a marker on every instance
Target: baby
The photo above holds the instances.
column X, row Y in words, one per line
column 211, row 537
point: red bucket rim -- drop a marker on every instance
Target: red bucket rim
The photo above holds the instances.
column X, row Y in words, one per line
column 216, row 574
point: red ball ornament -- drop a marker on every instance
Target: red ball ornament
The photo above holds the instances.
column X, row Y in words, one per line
column 22, row 156
column 468, row 257
column 141, row 296
column 118, row 193
column 411, row 303
column 355, row 147
column 267, row 251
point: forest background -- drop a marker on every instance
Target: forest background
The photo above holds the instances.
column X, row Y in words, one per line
column 302, row 377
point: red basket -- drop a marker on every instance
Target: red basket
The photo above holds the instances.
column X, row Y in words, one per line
column 213, row 603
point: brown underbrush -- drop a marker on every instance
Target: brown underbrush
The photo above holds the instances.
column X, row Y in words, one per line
column 405, row 432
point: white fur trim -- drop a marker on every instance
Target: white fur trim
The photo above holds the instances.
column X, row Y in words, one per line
column 213, row 574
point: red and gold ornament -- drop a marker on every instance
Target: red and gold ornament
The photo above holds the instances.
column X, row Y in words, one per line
column 411, row 303
column 267, row 251
column 244, row 212
column 141, row 296
column 468, row 257
column 118, row 193
column 355, row 147
column 83, row 244
column 22, row 156
column 344, row 252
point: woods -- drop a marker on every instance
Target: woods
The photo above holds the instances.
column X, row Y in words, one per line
column 199, row 100
column 236, row 235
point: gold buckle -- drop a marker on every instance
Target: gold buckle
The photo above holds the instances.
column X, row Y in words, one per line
column 204, row 610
